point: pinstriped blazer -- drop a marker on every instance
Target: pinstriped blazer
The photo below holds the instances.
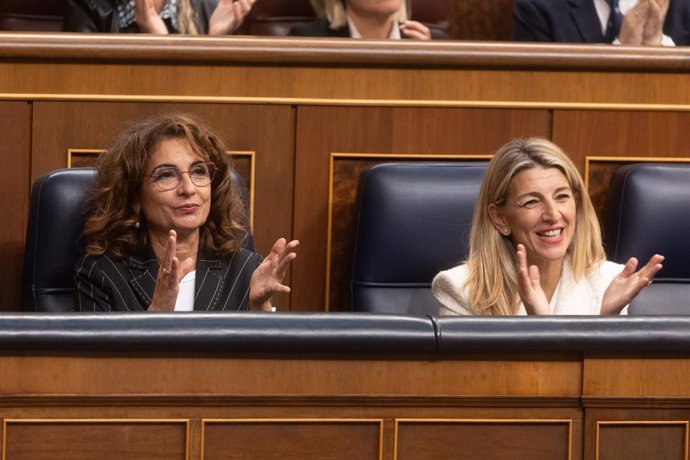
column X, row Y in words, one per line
column 105, row 283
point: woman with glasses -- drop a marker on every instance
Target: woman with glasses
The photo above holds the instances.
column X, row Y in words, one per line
column 166, row 228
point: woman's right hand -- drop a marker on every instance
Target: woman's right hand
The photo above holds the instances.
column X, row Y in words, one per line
column 529, row 285
column 170, row 273
column 147, row 18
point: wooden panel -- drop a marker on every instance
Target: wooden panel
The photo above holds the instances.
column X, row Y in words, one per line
column 60, row 126
column 484, row 440
column 642, row 441
column 15, row 118
column 292, row 440
column 130, row 376
column 382, row 130
column 660, row 377
column 89, row 439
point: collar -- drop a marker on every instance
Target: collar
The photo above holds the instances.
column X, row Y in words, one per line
column 354, row 32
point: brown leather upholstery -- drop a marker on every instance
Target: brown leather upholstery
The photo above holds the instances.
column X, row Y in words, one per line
column 31, row 15
column 482, row 19
column 436, row 14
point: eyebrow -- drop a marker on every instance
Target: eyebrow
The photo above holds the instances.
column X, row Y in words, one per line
column 168, row 165
column 537, row 194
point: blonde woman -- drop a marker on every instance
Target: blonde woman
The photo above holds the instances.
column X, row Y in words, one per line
column 370, row 19
column 192, row 17
column 535, row 244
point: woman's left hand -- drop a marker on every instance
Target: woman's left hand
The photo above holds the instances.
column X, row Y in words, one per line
column 228, row 16
column 268, row 277
column 629, row 283
column 416, row 30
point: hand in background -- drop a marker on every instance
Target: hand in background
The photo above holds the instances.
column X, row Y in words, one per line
column 147, row 18
column 228, row 16
column 268, row 277
column 629, row 283
column 653, row 31
column 416, row 30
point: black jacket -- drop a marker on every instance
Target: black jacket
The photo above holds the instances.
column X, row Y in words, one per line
column 105, row 283
column 576, row 21
column 101, row 16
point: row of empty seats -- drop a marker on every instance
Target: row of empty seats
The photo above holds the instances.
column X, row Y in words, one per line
column 413, row 220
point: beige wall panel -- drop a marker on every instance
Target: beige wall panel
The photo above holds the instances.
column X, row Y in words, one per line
column 322, row 131
column 15, row 118
column 292, row 440
column 87, row 440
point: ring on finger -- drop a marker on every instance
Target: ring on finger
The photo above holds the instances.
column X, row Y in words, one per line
column 166, row 271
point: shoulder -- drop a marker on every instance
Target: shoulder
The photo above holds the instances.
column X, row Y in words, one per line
column 318, row 28
column 448, row 288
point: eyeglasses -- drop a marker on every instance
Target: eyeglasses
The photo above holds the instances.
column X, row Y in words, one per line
column 169, row 177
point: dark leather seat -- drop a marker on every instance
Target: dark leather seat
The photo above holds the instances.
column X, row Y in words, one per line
column 53, row 237
column 647, row 213
column 32, row 15
column 413, row 220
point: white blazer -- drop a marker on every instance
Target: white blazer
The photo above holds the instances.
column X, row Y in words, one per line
column 582, row 297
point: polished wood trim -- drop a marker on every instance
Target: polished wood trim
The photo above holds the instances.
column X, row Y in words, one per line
column 637, row 402
column 601, row 423
column 506, row 421
column 379, row 156
column 380, row 422
column 339, row 102
column 324, row 52
column 598, row 159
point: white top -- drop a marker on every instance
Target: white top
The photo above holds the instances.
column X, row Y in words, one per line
column 583, row 297
column 604, row 11
column 185, row 296
column 354, row 33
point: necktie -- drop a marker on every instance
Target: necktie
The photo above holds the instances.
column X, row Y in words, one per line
column 613, row 27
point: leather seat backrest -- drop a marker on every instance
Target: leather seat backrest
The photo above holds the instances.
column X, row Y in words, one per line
column 413, row 220
column 32, row 15
column 647, row 213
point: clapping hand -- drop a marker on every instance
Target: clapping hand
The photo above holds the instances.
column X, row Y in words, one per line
column 629, row 283
column 170, row 273
column 268, row 277
column 529, row 285
column 147, row 18
column 228, row 16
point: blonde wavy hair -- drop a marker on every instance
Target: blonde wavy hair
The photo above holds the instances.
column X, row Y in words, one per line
column 335, row 12
column 114, row 204
column 186, row 17
column 492, row 280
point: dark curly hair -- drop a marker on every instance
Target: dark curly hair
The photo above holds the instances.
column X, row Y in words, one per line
column 114, row 203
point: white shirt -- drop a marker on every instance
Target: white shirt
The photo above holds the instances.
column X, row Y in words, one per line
column 604, row 11
column 354, row 33
column 185, row 296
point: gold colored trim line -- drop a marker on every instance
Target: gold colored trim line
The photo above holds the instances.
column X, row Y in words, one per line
column 683, row 423
column 390, row 157
column 460, row 421
column 56, row 421
column 379, row 421
column 596, row 159
column 546, row 105
column 234, row 153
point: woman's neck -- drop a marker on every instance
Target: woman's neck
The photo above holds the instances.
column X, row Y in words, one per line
column 372, row 27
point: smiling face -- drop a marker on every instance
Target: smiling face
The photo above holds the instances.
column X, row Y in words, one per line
column 185, row 207
column 539, row 213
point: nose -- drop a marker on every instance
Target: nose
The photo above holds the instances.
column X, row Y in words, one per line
column 550, row 212
column 186, row 186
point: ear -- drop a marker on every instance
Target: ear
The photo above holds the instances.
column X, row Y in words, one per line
column 497, row 218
